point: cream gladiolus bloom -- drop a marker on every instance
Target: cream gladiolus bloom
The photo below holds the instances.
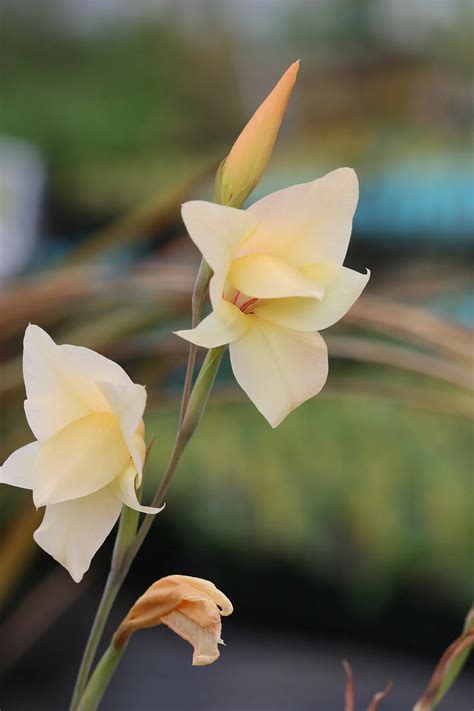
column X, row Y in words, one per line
column 86, row 415
column 278, row 280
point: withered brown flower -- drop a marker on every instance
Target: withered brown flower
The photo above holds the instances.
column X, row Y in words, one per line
column 191, row 607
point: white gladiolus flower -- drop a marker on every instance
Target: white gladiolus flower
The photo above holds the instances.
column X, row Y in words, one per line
column 86, row 415
column 278, row 280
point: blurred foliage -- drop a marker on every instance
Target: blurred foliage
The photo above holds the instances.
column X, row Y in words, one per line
column 359, row 31
column 367, row 485
column 128, row 109
column 109, row 110
column 367, row 494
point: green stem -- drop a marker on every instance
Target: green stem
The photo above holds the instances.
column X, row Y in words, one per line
column 199, row 292
column 100, row 679
column 196, row 406
column 126, row 548
column 126, row 532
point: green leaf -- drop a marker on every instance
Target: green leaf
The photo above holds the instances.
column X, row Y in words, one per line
column 455, row 667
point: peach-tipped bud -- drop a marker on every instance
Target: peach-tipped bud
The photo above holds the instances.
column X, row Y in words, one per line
column 241, row 171
column 191, row 607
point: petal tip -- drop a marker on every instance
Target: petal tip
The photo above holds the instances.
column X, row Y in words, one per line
column 35, row 331
column 76, row 575
column 203, row 660
column 350, row 174
column 38, row 501
column 293, row 69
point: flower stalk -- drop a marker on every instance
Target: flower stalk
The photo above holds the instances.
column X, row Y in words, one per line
column 236, row 178
column 101, row 677
column 127, row 543
column 196, row 406
column 125, row 535
column 199, row 293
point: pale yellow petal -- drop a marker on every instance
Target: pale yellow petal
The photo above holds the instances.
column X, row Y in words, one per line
column 217, row 231
column 265, row 277
column 73, row 531
column 204, row 640
column 93, row 366
column 127, row 402
column 82, row 458
column 278, row 368
column 17, row 470
column 222, row 326
column 124, row 489
column 306, row 223
column 296, row 313
column 56, row 396
column 137, row 448
column 217, row 287
column 342, row 287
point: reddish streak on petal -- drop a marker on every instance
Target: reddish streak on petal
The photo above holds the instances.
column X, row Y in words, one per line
column 236, row 296
column 247, row 305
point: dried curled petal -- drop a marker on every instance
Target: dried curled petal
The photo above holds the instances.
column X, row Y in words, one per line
column 191, row 607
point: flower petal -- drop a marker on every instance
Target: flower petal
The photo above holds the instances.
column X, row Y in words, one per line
column 217, row 231
column 124, row 489
column 80, row 459
column 208, row 590
column 17, row 470
column 73, row 531
column 342, row 287
column 203, row 639
column 199, row 608
column 266, row 277
column 306, row 223
column 93, row 366
column 224, row 325
column 127, row 402
column 279, row 369
column 55, row 395
column 297, row 313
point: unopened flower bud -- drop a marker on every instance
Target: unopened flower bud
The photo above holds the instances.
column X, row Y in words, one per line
column 241, row 171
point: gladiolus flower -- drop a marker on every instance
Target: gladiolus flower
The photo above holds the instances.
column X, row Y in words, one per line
column 86, row 415
column 191, row 607
column 241, row 171
column 278, row 280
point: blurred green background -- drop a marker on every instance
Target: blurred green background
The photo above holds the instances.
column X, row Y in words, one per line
column 361, row 504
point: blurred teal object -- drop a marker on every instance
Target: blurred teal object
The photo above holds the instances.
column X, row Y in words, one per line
column 458, row 306
column 419, row 200
column 22, row 187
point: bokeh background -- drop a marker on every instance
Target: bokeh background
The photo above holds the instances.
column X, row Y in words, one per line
column 349, row 531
